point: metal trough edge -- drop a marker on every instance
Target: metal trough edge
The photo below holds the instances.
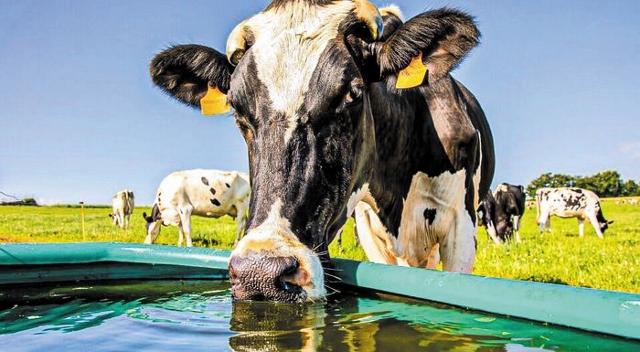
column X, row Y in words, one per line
column 608, row 312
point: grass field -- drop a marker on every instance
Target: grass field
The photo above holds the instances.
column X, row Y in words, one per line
column 558, row 257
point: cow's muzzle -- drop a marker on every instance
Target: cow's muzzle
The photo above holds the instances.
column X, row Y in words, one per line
column 260, row 277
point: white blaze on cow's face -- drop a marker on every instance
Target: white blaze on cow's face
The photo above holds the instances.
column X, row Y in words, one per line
column 301, row 104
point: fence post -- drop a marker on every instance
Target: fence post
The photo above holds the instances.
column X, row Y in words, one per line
column 84, row 235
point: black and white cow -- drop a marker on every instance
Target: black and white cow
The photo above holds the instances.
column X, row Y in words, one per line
column 122, row 204
column 345, row 108
column 206, row 193
column 501, row 212
column 570, row 203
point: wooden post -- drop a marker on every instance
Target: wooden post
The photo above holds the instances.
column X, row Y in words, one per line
column 84, row 235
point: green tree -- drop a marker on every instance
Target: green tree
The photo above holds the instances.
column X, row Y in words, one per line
column 605, row 184
column 630, row 188
column 550, row 180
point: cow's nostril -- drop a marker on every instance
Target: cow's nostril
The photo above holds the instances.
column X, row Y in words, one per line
column 293, row 278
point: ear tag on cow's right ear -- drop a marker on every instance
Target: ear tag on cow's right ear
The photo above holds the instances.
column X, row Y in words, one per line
column 214, row 102
column 413, row 75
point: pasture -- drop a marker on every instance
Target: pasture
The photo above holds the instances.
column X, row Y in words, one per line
column 558, row 257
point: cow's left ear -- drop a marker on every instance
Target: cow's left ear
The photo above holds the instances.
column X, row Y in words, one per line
column 427, row 47
column 195, row 75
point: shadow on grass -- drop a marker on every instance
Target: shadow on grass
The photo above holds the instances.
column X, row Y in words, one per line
column 544, row 279
column 205, row 242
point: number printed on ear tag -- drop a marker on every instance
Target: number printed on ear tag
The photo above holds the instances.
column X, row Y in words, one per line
column 214, row 102
column 413, row 75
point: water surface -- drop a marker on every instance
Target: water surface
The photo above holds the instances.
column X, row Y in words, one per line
column 199, row 316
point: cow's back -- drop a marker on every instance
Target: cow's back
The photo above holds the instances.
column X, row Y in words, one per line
column 567, row 202
column 208, row 193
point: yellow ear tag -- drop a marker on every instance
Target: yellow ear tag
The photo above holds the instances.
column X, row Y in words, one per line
column 214, row 102
column 413, row 75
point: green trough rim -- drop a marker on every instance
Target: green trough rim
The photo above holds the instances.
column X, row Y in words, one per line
column 608, row 312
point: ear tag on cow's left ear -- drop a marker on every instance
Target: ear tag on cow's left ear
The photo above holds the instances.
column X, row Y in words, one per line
column 413, row 75
column 214, row 102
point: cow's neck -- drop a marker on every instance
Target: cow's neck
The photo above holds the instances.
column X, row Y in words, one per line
column 405, row 143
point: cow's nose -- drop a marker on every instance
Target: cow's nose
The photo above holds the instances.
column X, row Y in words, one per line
column 259, row 277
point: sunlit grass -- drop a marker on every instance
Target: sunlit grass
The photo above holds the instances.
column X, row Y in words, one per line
column 558, row 257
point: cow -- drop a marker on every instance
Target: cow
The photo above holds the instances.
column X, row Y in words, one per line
column 502, row 211
column 346, row 110
column 570, row 203
column 206, row 193
column 122, row 204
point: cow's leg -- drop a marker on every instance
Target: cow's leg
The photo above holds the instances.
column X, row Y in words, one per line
column 493, row 234
column 185, row 222
column 580, row 227
column 434, row 257
column 593, row 219
column 373, row 235
column 516, row 224
column 458, row 251
column 180, row 235
column 544, row 221
column 120, row 220
column 241, row 222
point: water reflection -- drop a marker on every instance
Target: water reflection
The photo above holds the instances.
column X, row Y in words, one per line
column 347, row 324
column 188, row 316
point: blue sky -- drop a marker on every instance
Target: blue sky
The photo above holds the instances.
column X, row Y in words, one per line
column 80, row 119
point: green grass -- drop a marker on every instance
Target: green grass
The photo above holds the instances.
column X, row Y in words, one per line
column 557, row 257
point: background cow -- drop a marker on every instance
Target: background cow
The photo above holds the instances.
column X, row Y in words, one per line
column 206, row 193
column 344, row 108
column 122, row 205
column 570, row 203
column 502, row 211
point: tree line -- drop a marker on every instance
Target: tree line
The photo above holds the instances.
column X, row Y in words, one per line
column 605, row 184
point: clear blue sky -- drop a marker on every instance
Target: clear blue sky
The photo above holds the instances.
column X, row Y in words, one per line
column 80, row 119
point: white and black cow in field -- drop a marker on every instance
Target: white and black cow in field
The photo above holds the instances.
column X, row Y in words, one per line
column 346, row 109
column 501, row 212
column 206, row 193
column 570, row 203
column 122, row 204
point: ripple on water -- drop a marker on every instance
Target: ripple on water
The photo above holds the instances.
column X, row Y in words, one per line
column 199, row 315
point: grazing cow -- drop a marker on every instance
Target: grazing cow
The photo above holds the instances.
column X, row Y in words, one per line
column 570, row 203
column 206, row 193
column 344, row 108
column 501, row 212
column 122, row 205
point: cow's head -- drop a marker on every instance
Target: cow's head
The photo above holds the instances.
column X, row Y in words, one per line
column 602, row 222
column 153, row 221
column 298, row 76
column 492, row 215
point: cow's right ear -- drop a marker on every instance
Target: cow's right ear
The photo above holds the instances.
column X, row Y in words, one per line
column 427, row 47
column 189, row 72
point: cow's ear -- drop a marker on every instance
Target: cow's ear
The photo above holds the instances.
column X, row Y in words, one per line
column 427, row 47
column 191, row 72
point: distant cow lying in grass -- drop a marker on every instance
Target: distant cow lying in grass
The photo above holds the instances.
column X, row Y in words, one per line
column 571, row 203
column 122, row 205
column 206, row 193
